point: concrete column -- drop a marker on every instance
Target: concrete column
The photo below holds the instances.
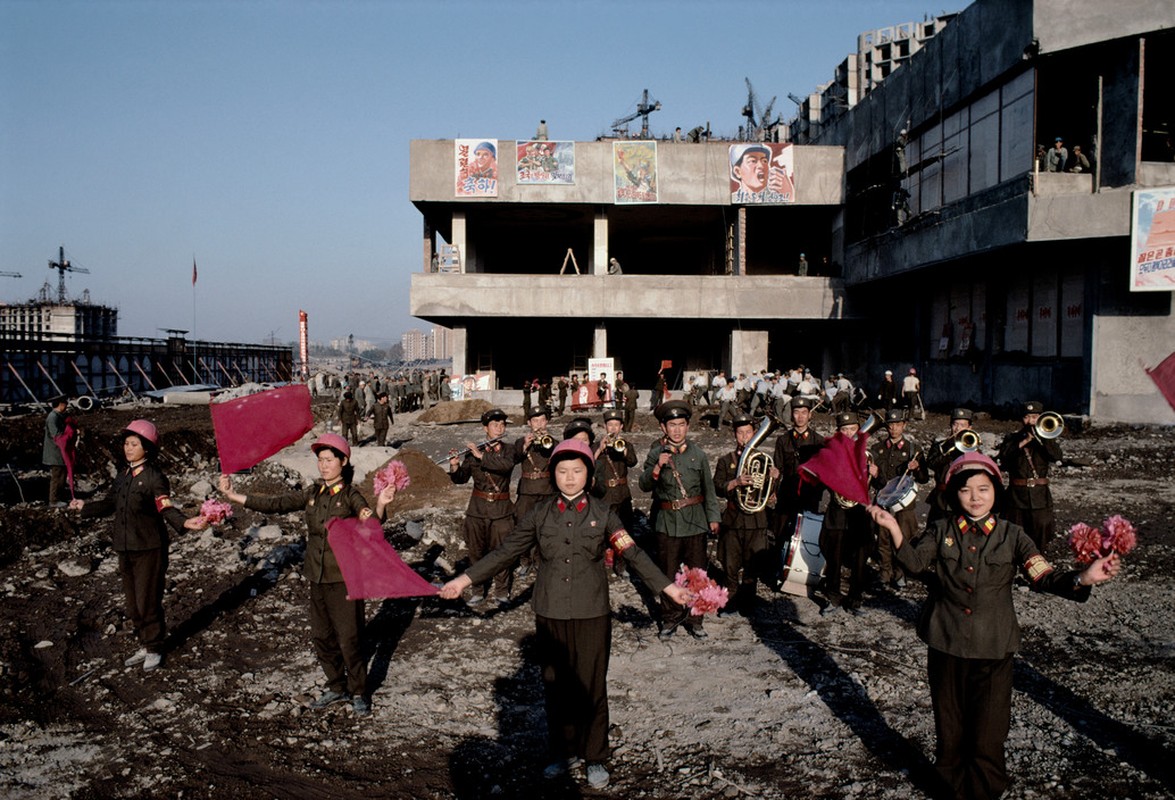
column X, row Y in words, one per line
column 599, row 254
column 428, row 246
column 748, row 351
column 458, row 240
column 740, row 242
column 457, row 338
column 600, row 342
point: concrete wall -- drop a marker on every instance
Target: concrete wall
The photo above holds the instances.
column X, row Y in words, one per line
column 1078, row 215
column 1122, row 346
column 443, row 298
column 1061, row 24
column 687, row 174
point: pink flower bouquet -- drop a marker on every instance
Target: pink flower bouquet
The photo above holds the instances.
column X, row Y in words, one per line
column 1117, row 535
column 393, row 474
column 708, row 595
column 215, row 512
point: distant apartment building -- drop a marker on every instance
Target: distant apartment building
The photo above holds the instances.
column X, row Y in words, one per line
column 434, row 344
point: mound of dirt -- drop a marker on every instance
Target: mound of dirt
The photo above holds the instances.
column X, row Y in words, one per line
column 456, row 411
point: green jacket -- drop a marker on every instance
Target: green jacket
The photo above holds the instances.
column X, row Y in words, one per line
column 693, row 469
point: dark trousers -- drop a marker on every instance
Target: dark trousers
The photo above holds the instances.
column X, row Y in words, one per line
column 1038, row 523
column 672, row 552
column 381, row 436
column 845, row 547
column 482, row 536
column 742, row 553
column 142, row 573
column 972, row 700
column 56, row 484
column 336, row 628
column 573, row 654
column 891, row 570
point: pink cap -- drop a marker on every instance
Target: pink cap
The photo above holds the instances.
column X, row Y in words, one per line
column 334, row 442
column 144, row 430
column 572, row 448
column 974, row 460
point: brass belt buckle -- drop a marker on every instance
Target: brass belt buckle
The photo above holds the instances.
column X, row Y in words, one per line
column 1031, row 482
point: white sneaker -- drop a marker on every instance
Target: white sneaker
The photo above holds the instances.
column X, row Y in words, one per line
column 597, row 776
column 152, row 661
column 137, row 658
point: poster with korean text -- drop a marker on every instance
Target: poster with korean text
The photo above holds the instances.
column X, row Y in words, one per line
column 476, row 167
column 1152, row 241
column 634, row 171
column 762, row 172
column 544, row 162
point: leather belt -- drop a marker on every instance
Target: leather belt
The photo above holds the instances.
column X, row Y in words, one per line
column 1030, row 482
column 613, row 482
column 534, row 476
column 492, row 497
column 677, row 505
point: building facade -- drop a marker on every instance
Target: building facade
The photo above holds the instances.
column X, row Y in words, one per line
column 933, row 234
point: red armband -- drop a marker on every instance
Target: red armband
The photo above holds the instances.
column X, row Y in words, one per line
column 621, row 541
column 1037, row 567
column 162, row 503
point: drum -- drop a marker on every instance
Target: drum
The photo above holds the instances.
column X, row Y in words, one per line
column 803, row 563
column 899, row 494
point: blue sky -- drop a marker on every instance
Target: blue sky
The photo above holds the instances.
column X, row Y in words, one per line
column 269, row 140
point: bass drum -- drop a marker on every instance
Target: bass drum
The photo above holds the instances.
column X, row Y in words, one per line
column 803, row 562
column 899, row 494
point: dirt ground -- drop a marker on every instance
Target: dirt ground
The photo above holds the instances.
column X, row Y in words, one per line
column 783, row 703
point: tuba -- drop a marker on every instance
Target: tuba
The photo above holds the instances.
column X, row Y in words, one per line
column 758, row 465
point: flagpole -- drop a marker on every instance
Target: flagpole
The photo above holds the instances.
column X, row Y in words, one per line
column 193, row 295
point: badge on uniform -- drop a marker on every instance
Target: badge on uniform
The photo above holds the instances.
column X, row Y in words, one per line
column 949, row 541
column 592, row 523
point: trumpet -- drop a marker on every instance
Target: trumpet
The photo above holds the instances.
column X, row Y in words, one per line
column 543, row 440
column 965, row 441
column 455, row 453
column 618, row 444
column 1049, row 425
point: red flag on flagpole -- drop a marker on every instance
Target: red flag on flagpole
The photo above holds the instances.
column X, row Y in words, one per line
column 193, row 270
column 250, row 429
column 1164, row 377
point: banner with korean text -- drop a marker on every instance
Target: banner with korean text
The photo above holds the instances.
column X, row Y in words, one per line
column 1152, row 241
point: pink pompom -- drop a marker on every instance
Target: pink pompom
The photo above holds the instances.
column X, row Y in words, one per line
column 709, row 597
column 1085, row 542
column 394, row 474
column 215, row 512
column 1120, row 536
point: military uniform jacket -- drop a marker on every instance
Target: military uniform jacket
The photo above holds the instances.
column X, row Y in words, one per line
column 891, row 459
column 733, row 517
column 349, row 411
column 491, row 475
column 140, row 501
column 969, row 611
column 536, row 462
column 612, row 467
column 572, row 580
column 792, row 449
column 380, row 415
column 321, row 503
column 1024, row 463
column 692, row 468
column 50, row 453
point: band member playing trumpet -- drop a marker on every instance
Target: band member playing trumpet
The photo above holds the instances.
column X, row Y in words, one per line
column 940, row 457
column 1025, row 456
column 614, row 457
column 533, row 451
column 742, row 539
column 677, row 472
column 489, row 515
column 894, row 457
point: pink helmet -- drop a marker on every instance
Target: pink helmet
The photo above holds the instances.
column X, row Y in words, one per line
column 144, row 430
column 975, row 460
column 573, row 448
column 334, row 442
column 913, row 371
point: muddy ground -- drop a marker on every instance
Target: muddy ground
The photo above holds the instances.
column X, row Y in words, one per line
column 782, row 704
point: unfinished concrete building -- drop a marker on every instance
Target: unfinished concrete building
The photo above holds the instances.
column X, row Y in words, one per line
column 949, row 247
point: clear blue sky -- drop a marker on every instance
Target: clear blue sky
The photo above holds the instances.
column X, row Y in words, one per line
column 269, row 140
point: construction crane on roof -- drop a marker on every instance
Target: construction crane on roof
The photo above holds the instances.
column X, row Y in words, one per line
column 643, row 109
column 62, row 266
column 10, row 275
column 760, row 125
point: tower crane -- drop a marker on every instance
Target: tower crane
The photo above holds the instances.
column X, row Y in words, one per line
column 643, row 109
column 62, row 266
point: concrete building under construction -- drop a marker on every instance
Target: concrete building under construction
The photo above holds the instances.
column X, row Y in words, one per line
column 933, row 233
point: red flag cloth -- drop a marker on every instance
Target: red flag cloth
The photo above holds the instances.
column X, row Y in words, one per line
column 1164, row 377
column 251, row 429
column 371, row 567
column 193, row 271
column 842, row 466
column 666, row 364
column 66, row 442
